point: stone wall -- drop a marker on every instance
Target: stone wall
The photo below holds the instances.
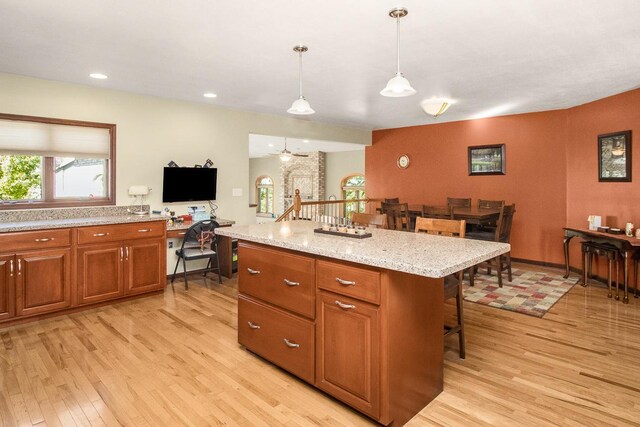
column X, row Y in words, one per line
column 306, row 174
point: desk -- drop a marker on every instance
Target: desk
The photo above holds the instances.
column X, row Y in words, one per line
column 472, row 215
column 626, row 245
column 225, row 244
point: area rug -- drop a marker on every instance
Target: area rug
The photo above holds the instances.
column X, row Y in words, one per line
column 530, row 292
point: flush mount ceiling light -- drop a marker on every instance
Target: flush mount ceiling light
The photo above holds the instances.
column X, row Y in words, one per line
column 210, row 95
column 436, row 106
column 300, row 106
column 98, row 76
column 398, row 85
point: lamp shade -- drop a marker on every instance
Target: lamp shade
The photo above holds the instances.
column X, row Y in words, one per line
column 398, row 86
column 138, row 190
column 285, row 156
column 301, row 107
column 435, row 106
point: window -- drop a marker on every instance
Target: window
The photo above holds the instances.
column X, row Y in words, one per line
column 353, row 189
column 264, row 195
column 54, row 163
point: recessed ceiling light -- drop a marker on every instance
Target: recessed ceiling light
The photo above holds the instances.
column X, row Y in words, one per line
column 306, row 141
column 209, row 95
column 270, row 145
column 98, row 76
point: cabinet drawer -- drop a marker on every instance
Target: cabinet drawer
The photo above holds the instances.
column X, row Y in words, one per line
column 282, row 338
column 11, row 242
column 115, row 232
column 351, row 280
column 278, row 277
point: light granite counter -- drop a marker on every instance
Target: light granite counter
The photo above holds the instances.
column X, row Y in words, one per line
column 46, row 224
column 415, row 253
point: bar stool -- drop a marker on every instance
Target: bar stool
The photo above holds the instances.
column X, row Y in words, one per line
column 612, row 255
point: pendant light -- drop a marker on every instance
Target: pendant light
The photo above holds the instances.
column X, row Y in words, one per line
column 300, row 106
column 398, row 85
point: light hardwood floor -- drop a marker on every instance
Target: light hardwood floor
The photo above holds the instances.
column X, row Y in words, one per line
column 173, row 360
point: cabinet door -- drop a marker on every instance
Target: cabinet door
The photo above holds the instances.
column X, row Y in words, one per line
column 348, row 351
column 43, row 281
column 100, row 273
column 145, row 266
column 7, row 286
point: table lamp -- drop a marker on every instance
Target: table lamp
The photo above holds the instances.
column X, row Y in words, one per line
column 138, row 192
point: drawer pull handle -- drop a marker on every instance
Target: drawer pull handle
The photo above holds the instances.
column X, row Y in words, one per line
column 45, row 239
column 345, row 282
column 253, row 325
column 290, row 283
column 251, row 271
column 345, row 306
column 121, row 254
column 19, row 266
column 11, row 268
column 144, row 230
column 291, row 344
column 100, row 234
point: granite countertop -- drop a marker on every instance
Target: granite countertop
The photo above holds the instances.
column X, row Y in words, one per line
column 44, row 224
column 416, row 253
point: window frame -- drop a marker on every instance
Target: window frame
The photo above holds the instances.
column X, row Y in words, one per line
column 267, row 187
column 360, row 206
column 48, row 170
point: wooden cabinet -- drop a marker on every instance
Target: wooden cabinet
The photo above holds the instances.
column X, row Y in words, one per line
column 100, row 273
column 348, row 351
column 43, row 281
column 109, row 268
column 145, row 265
column 7, row 287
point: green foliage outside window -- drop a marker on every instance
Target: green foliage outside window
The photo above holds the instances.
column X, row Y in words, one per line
column 20, row 177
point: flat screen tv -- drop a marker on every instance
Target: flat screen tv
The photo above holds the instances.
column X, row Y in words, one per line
column 189, row 184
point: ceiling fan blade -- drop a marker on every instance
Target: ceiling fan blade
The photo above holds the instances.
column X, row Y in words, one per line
column 300, row 155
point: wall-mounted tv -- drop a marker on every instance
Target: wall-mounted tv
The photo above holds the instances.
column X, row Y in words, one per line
column 189, row 184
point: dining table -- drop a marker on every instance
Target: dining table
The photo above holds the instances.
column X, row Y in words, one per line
column 629, row 247
column 472, row 215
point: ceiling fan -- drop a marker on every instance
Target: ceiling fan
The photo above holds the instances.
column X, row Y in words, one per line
column 286, row 155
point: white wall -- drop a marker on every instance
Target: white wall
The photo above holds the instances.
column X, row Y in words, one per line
column 339, row 165
column 151, row 131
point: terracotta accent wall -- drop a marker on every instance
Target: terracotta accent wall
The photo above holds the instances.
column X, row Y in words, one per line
column 552, row 169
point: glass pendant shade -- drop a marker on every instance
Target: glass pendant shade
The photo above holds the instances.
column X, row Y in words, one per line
column 398, row 86
column 301, row 107
column 285, row 156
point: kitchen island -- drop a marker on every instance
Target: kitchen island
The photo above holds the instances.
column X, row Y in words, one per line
column 361, row 319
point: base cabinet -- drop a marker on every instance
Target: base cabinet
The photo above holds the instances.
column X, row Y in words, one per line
column 348, row 351
column 43, row 281
column 100, row 273
column 145, row 266
column 7, row 287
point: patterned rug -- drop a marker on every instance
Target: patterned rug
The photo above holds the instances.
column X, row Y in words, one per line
column 530, row 292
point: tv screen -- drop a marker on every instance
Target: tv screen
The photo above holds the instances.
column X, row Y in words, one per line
column 189, row 184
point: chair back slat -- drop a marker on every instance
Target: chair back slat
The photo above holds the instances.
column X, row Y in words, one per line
column 397, row 215
column 441, row 212
column 503, row 230
column 369, row 220
column 458, row 203
column 441, row 227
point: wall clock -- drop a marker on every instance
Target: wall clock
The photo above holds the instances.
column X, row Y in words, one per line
column 403, row 161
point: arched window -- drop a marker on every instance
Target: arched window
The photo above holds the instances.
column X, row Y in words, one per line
column 353, row 189
column 264, row 194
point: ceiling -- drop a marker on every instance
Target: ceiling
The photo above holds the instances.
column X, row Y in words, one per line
column 493, row 57
column 266, row 145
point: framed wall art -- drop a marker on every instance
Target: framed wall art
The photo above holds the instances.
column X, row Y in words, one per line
column 487, row 160
column 614, row 157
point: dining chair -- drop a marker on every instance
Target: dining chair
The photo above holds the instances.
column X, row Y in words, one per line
column 452, row 283
column 397, row 216
column 200, row 242
column 490, row 204
column 392, row 200
column 501, row 234
column 441, row 212
column 458, row 203
column 369, row 220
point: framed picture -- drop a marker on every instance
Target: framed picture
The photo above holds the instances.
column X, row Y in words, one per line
column 487, row 160
column 614, row 157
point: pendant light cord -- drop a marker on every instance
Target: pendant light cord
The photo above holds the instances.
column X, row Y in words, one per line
column 300, row 73
column 398, row 39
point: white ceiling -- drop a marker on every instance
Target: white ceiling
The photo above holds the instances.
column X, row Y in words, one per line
column 266, row 145
column 492, row 56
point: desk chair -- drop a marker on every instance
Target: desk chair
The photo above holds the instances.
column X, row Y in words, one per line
column 452, row 283
column 200, row 242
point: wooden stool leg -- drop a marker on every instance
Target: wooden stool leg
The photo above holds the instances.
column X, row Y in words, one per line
column 590, row 274
column 635, row 278
column 459, row 302
column 499, row 268
column 585, row 256
column 617, row 278
column 610, row 294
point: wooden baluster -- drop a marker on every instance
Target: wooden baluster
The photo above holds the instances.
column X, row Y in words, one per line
column 297, row 205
